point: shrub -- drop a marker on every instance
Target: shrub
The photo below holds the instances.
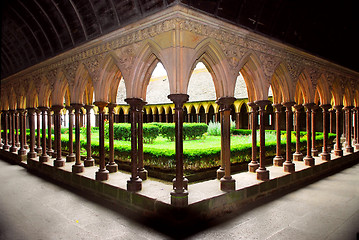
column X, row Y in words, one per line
column 150, row 132
column 194, row 130
column 214, row 129
column 168, row 131
column 122, row 131
column 241, row 131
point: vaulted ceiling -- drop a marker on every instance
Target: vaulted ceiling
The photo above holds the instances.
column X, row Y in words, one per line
column 35, row 30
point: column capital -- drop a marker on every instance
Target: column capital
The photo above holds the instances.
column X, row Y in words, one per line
column 57, row 108
column 338, row 107
column 262, row 103
column 112, row 105
column 253, row 105
column 178, row 99
column 76, row 106
column 135, row 103
column 88, row 107
column 309, row 105
column 31, row 110
column 298, row 107
column 43, row 108
column 20, row 110
column 288, row 105
column 225, row 102
column 101, row 105
column 326, row 106
column 347, row 108
column 277, row 106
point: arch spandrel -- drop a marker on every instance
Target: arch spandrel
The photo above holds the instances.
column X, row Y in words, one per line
column 21, row 97
column 348, row 99
column 282, row 85
column 12, row 99
column 356, row 98
column 337, row 92
column 323, row 90
column 82, row 85
column 4, row 98
column 32, row 96
column 44, row 93
column 61, row 90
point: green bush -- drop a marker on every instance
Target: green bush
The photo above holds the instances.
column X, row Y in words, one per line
column 241, row 131
column 122, row 131
column 150, row 132
column 214, row 129
column 192, row 131
column 168, row 131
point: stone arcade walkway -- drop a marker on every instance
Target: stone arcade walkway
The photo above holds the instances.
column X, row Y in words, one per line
column 34, row 208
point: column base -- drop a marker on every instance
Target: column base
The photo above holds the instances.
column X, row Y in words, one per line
column 31, row 155
column 278, row 161
column 289, row 167
column 26, row 147
column 38, row 150
column 102, row 175
column 22, row 152
column 17, row 145
column 309, row 161
column 112, row 168
column 315, row 152
column 1, row 145
column 13, row 149
column 50, row 152
column 70, row 158
column 228, row 184
column 89, row 162
column 6, row 147
column 43, row 159
column 349, row 149
column 59, row 163
column 325, row 156
column 185, row 183
column 78, row 168
column 220, row 173
column 134, row 185
column 338, row 152
column 262, row 174
column 179, row 199
column 253, row 166
column 298, row 156
column 54, row 154
column 357, row 146
column 143, row 174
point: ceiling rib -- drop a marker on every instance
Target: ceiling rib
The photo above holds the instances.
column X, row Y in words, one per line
column 97, row 19
column 80, row 19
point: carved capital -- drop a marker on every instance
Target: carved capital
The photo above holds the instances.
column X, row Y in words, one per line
column 225, row 103
column 178, row 99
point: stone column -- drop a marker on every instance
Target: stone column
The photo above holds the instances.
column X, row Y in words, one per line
column 1, row 144
column 160, row 117
column 297, row 156
column 207, row 118
column 179, row 195
column 141, row 171
column 9, row 114
column 31, row 114
column 357, row 128
column 102, row 174
column 44, row 157
column 17, row 142
column 71, row 156
column 135, row 183
column 331, row 120
column 314, row 150
column 216, row 117
column 173, row 117
column 58, row 162
column 348, row 148
column 355, row 113
column 262, row 172
column 238, row 123
column 38, row 148
column 13, row 143
column 338, row 148
column 288, row 164
column 325, row 155
column 189, row 117
column 227, row 182
column 198, row 118
column 25, row 137
column 111, row 166
column 54, row 154
column 22, row 150
column 220, row 171
column 89, row 161
column 278, row 159
column 50, row 151
column 309, row 160
column 6, row 139
column 125, row 118
column 253, row 165
column 78, row 167
column 167, row 118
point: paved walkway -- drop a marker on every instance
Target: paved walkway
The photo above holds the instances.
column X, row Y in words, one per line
column 34, row 208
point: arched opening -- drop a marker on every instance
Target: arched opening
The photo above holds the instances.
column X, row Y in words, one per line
column 201, row 115
column 211, row 115
column 243, row 116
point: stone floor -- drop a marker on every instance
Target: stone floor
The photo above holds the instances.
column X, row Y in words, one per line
column 35, row 208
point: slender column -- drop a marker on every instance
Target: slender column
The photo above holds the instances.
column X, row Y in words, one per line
column 179, row 195
column 278, row 159
column 58, row 162
column 71, row 156
column 253, row 165
column 22, row 150
column 189, row 117
column 1, row 144
column 154, row 117
column 31, row 114
column 167, row 118
column 141, row 171
column 89, row 161
column 262, row 172
column 331, row 113
column 6, row 139
column 216, row 117
column 78, row 167
column 325, row 155
column 50, row 151
column 13, row 143
column 356, row 129
column 288, row 165
column 160, row 117
column 298, row 155
column 44, row 157
column 227, row 182
column 135, row 183
column 355, row 113
column 17, row 142
column 111, row 166
column 314, row 150
column 102, row 174
column 220, row 171
column 54, row 154
column 24, row 121
column 348, row 148
column 338, row 148
column 207, row 118
column 125, row 118
column 237, row 120
column 309, row 160
column 38, row 142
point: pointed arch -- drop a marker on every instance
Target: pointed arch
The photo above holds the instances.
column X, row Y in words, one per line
column 32, row 96
column 337, row 93
column 83, row 81
column 348, row 96
column 44, row 93
column 21, row 97
column 61, row 90
column 282, row 85
column 305, row 87
column 323, row 90
column 356, row 98
column 12, row 99
column 4, row 103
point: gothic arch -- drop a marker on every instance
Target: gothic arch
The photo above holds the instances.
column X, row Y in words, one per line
column 323, row 90
column 348, row 96
column 21, row 97
column 82, row 85
column 61, row 90
column 44, row 93
column 31, row 97
column 12, row 99
column 282, row 85
column 337, row 93
column 305, row 87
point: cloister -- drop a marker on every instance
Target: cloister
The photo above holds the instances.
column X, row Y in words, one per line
column 88, row 77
